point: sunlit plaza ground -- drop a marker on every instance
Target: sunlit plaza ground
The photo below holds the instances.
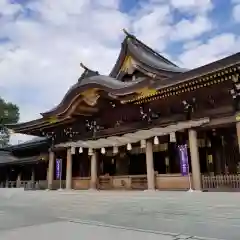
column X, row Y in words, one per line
column 119, row 215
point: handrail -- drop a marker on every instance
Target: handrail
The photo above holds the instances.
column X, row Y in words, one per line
column 231, row 181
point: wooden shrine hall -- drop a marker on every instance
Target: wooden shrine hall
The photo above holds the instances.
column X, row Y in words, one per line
column 149, row 124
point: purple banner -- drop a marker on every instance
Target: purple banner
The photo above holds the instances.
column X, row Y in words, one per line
column 58, row 168
column 183, row 155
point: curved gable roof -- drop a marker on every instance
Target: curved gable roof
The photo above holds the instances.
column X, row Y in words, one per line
column 101, row 82
column 143, row 55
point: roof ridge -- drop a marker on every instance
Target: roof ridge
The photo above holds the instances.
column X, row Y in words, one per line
column 129, row 35
column 87, row 72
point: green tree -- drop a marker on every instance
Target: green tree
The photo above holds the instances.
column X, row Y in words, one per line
column 9, row 113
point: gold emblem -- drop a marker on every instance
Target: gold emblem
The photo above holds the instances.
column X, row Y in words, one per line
column 53, row 119
column 127, row 64
column 238, row 117
column 145, row 92
column 90, row 97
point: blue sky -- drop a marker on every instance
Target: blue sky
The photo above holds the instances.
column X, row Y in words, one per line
column 42, row 42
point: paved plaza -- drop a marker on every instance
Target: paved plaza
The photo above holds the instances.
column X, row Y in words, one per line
column 118, row 214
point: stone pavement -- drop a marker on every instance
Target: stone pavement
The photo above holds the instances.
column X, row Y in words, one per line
column 73, row 231
column 119, row 214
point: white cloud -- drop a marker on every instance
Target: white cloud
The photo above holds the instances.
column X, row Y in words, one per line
column 152, row 25
column 192, row 5
column 46, row 51
column 45, row 55
column 7, row 9
column 215, row 48
column 41, row 60
column 188, row 6
column 191, row 44
column 108, row 3
column 187, row 29
column 236, row 12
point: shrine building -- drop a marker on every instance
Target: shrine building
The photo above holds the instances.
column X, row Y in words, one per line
column 149, row 124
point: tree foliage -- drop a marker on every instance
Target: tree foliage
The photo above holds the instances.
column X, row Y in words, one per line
column 9, row 113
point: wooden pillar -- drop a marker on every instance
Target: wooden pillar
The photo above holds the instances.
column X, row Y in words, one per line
column 69, row 169
column 238, row 134
column 93, row 183
column 196, row 173
column 150, row 165
column 18, row 180
column 6, row 183
column 33, row 175
column 51, row 170
column 7, row 180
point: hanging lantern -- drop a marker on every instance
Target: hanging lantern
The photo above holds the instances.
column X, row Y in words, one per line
column 90, row 151
column 143, row 143
column 210, row 159
column 73, row 150
column 103, row 150
column 115, row 149
column 155, row 140
column 129, row 146
column 173, row 137
column 167, row 161
column 80, row 150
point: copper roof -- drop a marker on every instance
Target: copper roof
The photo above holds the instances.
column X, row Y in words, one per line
column 145, row 57
column 6, row 157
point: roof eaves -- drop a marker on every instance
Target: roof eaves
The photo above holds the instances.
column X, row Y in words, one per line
column 29, row 144
column 117, row 66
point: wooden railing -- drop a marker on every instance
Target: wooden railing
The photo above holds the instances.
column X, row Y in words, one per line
column 139, row 182
column 105, row 182
column 221, row 182
column 20, row 184
column 9, row 184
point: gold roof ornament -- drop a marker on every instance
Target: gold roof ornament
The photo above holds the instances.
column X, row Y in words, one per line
column 53, row 119
column 237, row 117
column 127, row 64
column 145, row 92
column 90, row 97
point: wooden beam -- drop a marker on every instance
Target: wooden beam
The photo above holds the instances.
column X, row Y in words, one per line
column 219, row 122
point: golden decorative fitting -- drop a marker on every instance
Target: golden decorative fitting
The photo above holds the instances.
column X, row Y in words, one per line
column 160, row 94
